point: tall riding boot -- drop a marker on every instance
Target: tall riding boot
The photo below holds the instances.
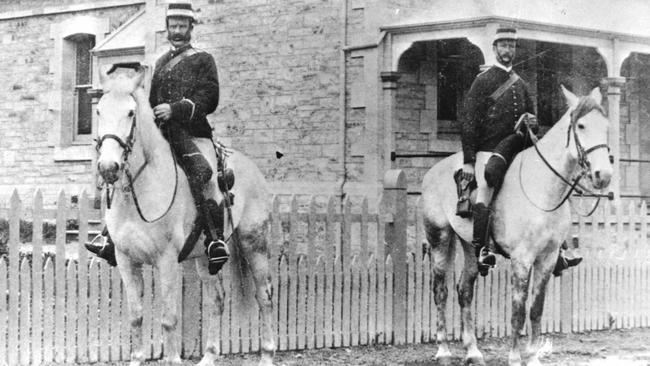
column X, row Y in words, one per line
column 105, row 250
column 215, row 246
column 486, row 259
column 563, row 261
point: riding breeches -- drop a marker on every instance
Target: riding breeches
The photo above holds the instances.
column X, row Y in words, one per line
column 191, row 159
column 483, row 191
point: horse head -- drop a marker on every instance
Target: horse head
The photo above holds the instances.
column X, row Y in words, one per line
column 587, row 136
column 116, row 115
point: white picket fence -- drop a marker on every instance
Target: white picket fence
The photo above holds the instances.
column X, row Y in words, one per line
column 343, row 276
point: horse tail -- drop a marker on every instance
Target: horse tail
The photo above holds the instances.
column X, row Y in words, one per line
column 243, row 283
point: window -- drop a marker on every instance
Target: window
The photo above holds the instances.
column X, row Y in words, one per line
column 457, row 65
column 82, row 130
column 70, row 103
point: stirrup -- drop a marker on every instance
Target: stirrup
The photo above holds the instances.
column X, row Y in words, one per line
column 487, row 258
column 96, row 248
column 565, row 263
column 105, row 251
column 218, row 254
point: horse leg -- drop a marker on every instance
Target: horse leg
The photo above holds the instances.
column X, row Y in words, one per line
column 520, row 280
column 170, row 283
column 442, row 254
column 541, row 274
column 465, row 290
column 255, row 248
column 134, row 285
column 216, row 292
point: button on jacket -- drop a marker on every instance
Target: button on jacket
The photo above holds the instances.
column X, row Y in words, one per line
column 191, row 88
column 485, row 122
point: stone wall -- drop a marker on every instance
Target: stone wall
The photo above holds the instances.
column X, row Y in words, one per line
column 26, row 122
column 279, row 68
column 279, row 71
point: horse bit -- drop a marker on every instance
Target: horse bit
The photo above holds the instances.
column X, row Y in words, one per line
column 127, row 148
column 581, row 109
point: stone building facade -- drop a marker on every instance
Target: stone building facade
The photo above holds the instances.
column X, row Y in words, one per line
column 343, row 89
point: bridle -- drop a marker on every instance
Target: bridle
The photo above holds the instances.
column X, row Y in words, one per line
column 585, row 105
column 126, row 145
column 127, row 148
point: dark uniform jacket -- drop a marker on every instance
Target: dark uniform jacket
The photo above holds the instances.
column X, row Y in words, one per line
column 191, row 88
column 487, row 122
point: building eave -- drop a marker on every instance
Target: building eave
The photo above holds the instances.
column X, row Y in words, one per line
column 480, row 22
column 102, row 46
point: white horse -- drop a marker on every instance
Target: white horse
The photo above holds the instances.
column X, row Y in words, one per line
column 130, row 143
column 528, row 224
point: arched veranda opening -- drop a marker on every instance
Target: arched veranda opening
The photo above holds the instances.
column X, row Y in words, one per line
column 435, row 77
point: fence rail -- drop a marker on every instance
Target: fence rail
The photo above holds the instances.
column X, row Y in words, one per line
column 343, row 276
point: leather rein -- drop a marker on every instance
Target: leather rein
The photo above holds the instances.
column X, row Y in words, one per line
column 127, row 148
column 581, row 110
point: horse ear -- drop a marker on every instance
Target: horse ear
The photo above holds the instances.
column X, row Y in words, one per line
column 139, row 77
column 596, row 95
column 571, row 99
column 103, row 79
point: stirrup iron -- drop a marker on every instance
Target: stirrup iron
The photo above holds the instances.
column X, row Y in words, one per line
column 218, row 254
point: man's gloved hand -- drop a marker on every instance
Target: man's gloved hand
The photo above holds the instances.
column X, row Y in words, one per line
column 467, row 172
column 163, row 112
column 527, row 119
column 533, row 124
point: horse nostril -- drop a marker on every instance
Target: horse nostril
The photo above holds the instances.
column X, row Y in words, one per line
column 108, row 170
column 597, row 174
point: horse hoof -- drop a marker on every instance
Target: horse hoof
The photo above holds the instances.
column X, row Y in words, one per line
column 209, row 359
column 266, row 360
column 475, row 361
column 444, row 361
column 206, row 362
column 174, row 360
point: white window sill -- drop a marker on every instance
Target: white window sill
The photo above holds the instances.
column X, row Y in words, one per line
column 74, row 153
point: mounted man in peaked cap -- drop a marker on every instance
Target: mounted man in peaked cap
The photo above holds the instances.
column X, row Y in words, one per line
column 184, row 90
column 491, row 137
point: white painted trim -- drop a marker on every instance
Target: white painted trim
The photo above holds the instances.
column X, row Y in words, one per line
column 519, row 24
column 99, row 45
column 50, row 10
column 74, row 153
column 615, row 47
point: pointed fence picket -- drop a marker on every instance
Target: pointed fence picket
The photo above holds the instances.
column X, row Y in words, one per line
column 345, row 274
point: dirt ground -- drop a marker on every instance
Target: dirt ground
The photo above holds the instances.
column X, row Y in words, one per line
column 615, row 347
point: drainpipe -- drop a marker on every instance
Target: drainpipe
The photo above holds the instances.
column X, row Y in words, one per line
column 343, row 79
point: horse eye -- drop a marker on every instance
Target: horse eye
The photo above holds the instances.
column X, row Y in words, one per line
column 581, row 126
column 97, row 111
column 131, row 113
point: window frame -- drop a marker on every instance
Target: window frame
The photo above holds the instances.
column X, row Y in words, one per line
column 68, row 145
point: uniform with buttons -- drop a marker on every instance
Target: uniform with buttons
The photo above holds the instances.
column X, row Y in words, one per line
column 191, row 88
column 487, row 122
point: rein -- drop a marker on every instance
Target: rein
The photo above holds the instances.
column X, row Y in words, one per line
column 585, row 105
column 127, row 146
